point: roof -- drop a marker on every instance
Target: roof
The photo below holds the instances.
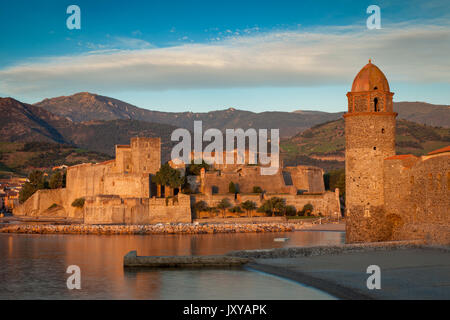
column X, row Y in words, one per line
column 370, row 78
column 400, row 157
column 441, row 150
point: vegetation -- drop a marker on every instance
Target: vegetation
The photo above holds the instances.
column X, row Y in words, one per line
column 249, row 206
column 200, row 206
column 223, row 205
column 78, row 203
column 236, row 209
column 36, row 182
column 335, row 179
column 232, row 188
column 168, row 176
column 57, row 180
column 290, row 211
column 274, row 206
column 194, row 169
column 257, row 189
column 307, row 210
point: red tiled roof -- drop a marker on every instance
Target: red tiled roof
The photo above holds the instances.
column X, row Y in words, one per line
column 399, row 157
column 441, row 150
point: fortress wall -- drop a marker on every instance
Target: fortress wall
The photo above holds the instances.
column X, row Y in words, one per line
column 307, row 178
column 117, row 210
column 127, row 185
column 419, row 194
column 85, row 180
column 40, row 201
column 123, row 159
column 246, row 180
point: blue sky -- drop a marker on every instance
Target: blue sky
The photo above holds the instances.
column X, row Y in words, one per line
column 207, row 55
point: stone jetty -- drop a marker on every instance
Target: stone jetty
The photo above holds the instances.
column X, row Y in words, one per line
column 131, row 259
column 181, row 228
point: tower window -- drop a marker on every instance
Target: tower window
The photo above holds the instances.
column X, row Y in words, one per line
column 375, row 88
column 374, row 148
column 375, row 104
column 382, row 130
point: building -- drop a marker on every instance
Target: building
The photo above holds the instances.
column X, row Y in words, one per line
column 389, row 196
column 121, row 190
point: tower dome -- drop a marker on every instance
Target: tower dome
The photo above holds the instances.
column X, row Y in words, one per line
column 370, row 78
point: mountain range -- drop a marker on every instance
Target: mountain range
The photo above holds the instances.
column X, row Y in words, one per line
column 97, row 123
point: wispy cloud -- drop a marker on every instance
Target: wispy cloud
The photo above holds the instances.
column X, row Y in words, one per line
column 323, row 56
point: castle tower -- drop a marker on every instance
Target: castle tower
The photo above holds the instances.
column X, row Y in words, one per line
column 369, row 139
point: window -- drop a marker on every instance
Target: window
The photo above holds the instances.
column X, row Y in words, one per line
column 375, row 105
column 382, row 130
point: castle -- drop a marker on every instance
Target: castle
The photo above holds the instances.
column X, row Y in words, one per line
column 121, row 191
column 389, row 196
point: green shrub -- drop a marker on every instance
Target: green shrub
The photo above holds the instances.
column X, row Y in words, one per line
column 257, row 189
column 78, row 203
column 53, row 206
column 290, row 211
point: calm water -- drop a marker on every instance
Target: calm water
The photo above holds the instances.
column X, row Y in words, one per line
column 34, row 267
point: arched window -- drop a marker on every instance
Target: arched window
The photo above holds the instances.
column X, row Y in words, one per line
column 375, row 104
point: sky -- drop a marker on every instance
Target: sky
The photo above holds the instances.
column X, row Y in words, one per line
column 196, row 55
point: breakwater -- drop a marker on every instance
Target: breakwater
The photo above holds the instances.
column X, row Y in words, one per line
column 181, row 228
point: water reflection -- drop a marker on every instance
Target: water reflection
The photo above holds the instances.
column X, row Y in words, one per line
column 34, row 266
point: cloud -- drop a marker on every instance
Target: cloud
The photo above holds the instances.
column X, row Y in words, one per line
column 322, row 56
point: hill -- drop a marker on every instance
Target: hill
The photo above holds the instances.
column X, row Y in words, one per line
column 20, row 158
column 324, row 145
column 86, row 107
column 21, row 123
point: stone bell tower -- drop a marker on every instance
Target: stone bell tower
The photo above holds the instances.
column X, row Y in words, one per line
column 369, row 139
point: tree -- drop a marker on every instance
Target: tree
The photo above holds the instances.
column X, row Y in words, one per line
column 168, row 176
column 274, row 205
column 257, row 189
column 194, row 168
column 200, row 206
column 249, row 206
column 236, row 209
column 307, row 209
column 36, row 181
column 223, row 205
column 232, row 187
column 291, row 211
column 57, row 180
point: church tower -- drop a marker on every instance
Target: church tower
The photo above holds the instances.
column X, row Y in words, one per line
column 369, row 139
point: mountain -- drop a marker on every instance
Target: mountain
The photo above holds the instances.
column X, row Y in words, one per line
column 21, row 122
column 24, row 122
column 424, row 113
column 86, row 107
column 324, row 145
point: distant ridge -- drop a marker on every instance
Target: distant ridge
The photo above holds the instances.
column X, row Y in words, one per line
column 85, row 106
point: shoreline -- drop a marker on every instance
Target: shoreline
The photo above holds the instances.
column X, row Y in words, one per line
column 181, row 228
column 340, row 270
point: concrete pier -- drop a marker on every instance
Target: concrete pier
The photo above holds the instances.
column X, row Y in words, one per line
column 131, row 259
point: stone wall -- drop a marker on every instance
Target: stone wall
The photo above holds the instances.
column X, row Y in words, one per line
column 325, row 203
column 417, row 195
column 117, row 210
column 246, row 179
